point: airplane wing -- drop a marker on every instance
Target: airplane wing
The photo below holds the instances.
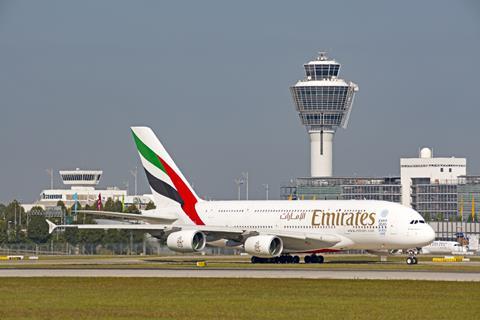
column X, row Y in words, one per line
column 291, row 240
column 130, row 216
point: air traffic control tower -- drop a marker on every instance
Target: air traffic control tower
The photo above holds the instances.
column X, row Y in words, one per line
column 324, row 103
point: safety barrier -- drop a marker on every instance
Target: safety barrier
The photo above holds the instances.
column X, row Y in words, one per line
column 450, row 259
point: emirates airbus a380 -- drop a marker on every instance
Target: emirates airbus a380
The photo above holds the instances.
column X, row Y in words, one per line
column 270, row 231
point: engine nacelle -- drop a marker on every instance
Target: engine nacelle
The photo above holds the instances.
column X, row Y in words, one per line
column 264, row 246
column 186, row 241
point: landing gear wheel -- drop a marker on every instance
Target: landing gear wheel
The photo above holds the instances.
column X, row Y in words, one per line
column 415, row 260
column 254, row 260
column 307, row 259
column 320, row 259
column 296, row 259
column 410, row 260
column 314, row 258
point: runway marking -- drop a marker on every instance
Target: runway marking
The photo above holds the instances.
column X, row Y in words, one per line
column 245, row 273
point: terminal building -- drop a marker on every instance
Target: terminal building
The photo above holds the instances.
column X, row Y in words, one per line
column 82, row 183
column 438, row 188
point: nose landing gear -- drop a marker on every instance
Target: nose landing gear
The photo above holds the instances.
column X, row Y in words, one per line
column 411, row 258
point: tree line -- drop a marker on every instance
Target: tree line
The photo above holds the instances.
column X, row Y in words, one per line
column 19, row 227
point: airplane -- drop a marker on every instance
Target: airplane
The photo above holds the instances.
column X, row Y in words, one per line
column 444, row 247
column 269, row 230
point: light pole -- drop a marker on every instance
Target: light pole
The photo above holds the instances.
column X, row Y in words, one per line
column 245, row 177
column 50, row 172
column 266, row 191
column 239, row 183
column 135, row 175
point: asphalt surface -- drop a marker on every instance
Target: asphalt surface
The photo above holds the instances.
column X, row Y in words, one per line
column 245, row 273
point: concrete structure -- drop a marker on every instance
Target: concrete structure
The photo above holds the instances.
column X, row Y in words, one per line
column 426, row 170
column 82, row 183
column 324, row 103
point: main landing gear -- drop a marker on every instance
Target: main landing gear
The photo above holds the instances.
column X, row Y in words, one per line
column 411, row 258
column 281, row 259
column 313, row 258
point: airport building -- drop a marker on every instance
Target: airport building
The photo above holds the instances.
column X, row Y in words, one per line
column 82, row 183
column 438, row 188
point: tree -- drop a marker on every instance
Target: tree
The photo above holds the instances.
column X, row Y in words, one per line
column 3, row 231
column 109, row 205
column 150, row 206
column 60, row 203
column 71, row 235
column 14, row 212
column 132, row 209
column 38, row 229
column 2, row 210
column 118, row 206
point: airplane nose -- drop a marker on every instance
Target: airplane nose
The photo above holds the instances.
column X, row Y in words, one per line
column 429, row 234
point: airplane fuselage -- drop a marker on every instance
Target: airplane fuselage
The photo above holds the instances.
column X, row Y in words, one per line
column 356, row 224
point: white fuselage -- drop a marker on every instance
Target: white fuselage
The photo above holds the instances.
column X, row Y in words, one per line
column 355, row 224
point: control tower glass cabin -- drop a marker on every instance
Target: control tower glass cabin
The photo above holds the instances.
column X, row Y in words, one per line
column 324, row 103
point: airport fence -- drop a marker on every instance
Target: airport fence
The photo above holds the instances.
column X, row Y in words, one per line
column 52, row 248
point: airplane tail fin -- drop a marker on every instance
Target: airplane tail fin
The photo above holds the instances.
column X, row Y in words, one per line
column 167, row 182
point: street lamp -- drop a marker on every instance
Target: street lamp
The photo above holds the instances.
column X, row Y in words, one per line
column 266, row 190
column 134, row 173
column 245, row 178
column 239, row 183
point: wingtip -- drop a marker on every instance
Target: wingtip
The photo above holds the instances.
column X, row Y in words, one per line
column 51, row 226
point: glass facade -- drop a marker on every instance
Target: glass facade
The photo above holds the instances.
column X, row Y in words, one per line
column 387, row 189
column 322, row 99
column 468, row 199
column 321, row 71
column 435, row 201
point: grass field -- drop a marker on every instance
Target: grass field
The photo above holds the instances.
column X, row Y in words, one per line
column 168, row 298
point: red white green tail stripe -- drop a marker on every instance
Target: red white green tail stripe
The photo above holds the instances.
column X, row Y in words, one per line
column 166, row 181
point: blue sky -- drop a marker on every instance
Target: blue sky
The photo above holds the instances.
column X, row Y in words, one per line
column 212, row 77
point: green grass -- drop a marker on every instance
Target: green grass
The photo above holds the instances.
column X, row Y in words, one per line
column 169, row 298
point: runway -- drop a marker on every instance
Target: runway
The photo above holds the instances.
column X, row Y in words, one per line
column 246, row 273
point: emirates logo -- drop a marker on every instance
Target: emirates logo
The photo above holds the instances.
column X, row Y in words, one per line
column 257, row 247
column 180, row 242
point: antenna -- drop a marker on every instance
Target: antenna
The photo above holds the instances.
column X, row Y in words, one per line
column 50, row 172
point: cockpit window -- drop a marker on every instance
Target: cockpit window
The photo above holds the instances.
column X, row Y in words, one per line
column 421, row 221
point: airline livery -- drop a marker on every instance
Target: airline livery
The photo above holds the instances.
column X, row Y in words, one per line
column 270, row 231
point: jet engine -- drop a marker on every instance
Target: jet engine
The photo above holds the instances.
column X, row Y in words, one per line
column 264, row 246
column 186, row 241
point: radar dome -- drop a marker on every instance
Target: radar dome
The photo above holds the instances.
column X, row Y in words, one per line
column 425, row 153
